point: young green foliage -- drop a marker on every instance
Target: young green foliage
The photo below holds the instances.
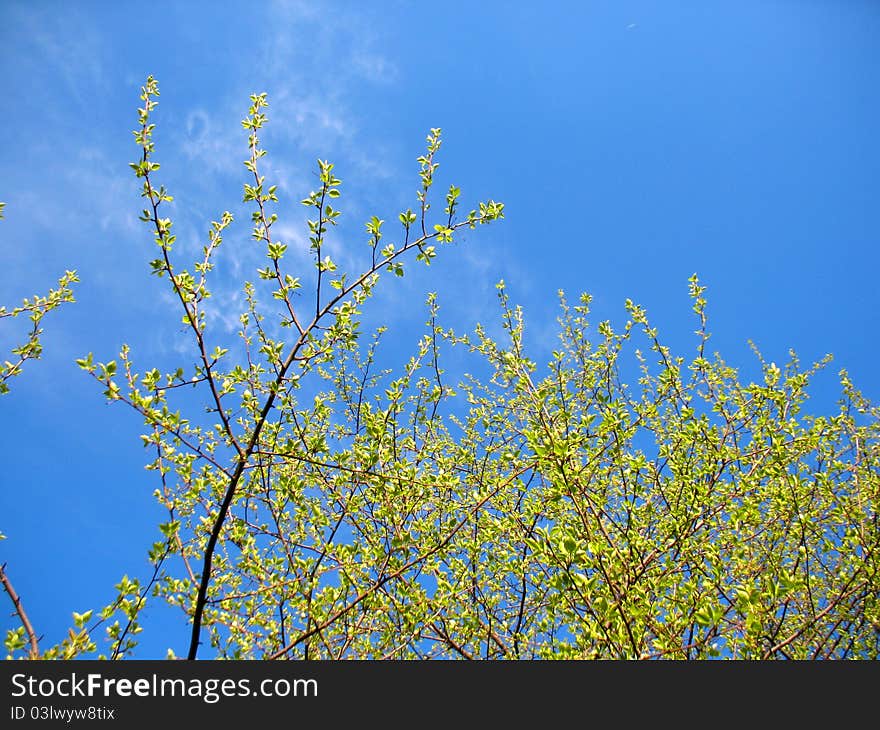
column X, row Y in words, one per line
column 210, row 471
column 35, row 309
column 321, row 506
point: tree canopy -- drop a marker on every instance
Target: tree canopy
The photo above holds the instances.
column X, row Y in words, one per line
column 619, row 500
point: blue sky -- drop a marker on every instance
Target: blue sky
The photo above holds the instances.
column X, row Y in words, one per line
column 633, row 144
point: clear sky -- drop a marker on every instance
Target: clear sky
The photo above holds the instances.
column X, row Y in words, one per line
column 633, row 144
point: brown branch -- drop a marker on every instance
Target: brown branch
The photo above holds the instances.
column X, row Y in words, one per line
column 162, row 235
column 446, row 638
column 34, row 652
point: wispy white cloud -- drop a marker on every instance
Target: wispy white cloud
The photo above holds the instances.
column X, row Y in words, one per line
column 68, row 48
column 310, row 88
column 375, row 67
column 309, row 115
column 215, row 146
column 105, row 190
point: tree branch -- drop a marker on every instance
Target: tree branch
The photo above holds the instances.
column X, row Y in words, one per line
column 34, row 652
